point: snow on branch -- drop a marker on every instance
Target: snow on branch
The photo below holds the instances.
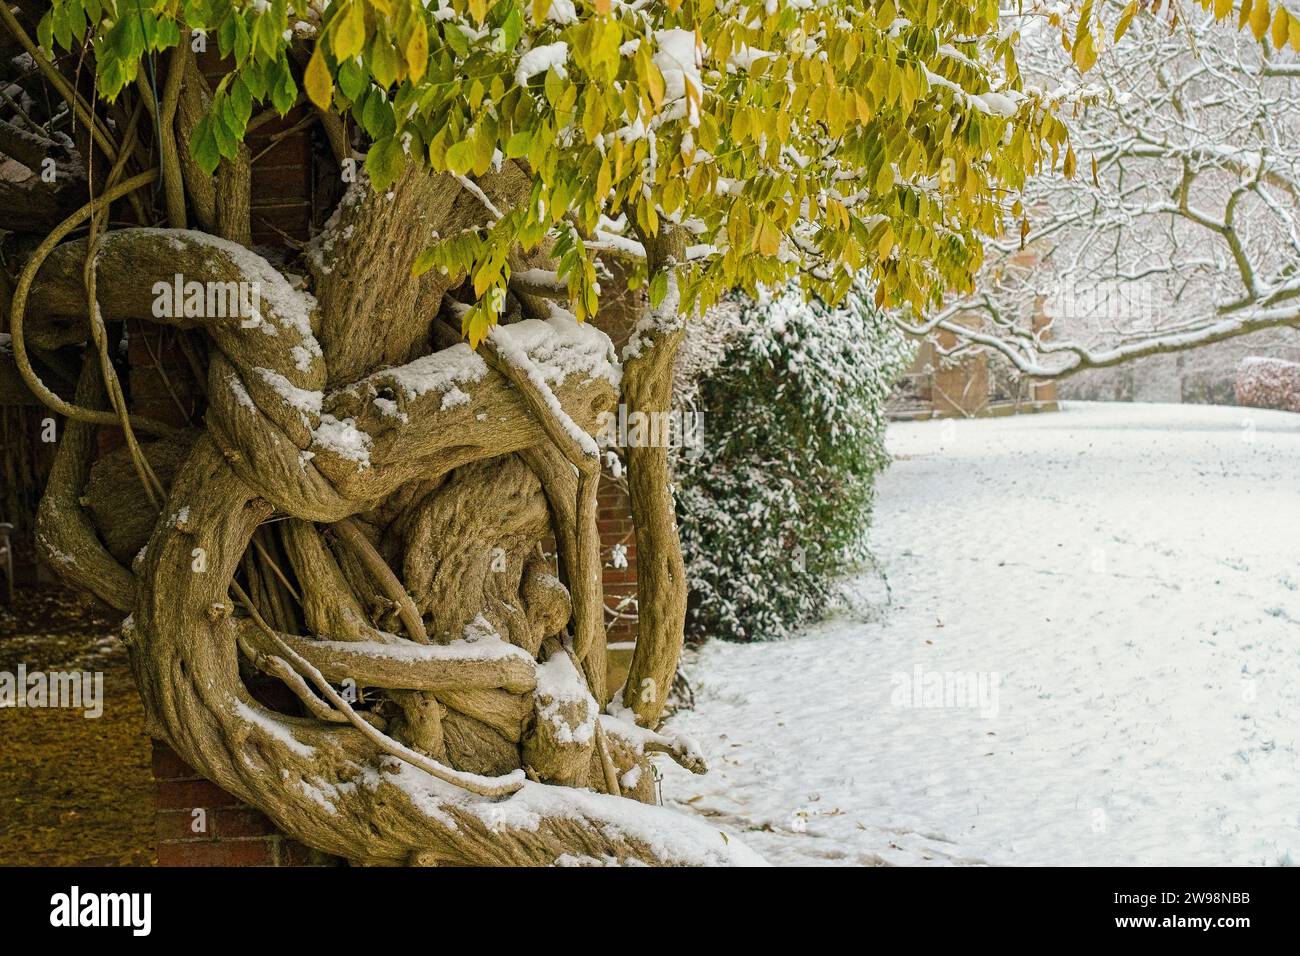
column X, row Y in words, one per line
column 1181, row 227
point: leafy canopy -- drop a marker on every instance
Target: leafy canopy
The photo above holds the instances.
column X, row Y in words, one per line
column 809, row 139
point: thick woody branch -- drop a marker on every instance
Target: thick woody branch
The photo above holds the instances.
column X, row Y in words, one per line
column 661, row 572
column 395, row 664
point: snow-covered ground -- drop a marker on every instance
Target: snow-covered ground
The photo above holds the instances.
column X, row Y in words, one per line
column 1123, row 581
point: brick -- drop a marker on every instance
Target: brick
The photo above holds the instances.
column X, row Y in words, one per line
column 172, row 826
column 279, row 184
column 188, row 794
column 291, row 151
column 259, row 852
column 277, row 124
column 275, row 222
column 168, row 766
column 240, row 822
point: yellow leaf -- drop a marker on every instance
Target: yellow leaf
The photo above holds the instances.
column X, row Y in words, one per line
column 417, row 52
column 317, row 79
column 1125, row 19
column 603, row 181
column 1295, row 34
column 864, row 108
column 674, row 195
column 740, row 126
column 851, row 50
column 1281, row 22
column 1222, row 9
column 884, row 179
column 350, row 35
column 593, row 114
column 383, row 6
column 1259, row 18
column 602, row 7
column 1070, row 163
column 654, row 79
column 1085, row 53
column 479, row 325
column 886, row 244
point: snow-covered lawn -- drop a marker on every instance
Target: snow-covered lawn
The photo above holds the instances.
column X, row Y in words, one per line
column 1124, row 583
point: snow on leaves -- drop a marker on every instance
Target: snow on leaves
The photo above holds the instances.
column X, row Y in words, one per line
column 791, row 140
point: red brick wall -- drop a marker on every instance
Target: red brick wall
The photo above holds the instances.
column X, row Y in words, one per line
column 614, row 518
column 199, row 824
column 283, row 181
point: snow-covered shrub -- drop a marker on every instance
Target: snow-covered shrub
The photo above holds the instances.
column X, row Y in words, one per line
column 778, row 499
column 1268, row 383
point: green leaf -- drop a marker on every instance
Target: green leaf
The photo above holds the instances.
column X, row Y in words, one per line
column 266, row 36
column 377, row 115
column 384, row 162
column 284, row 91
column 519, row 143
column 226, row 137
column 352, row 79
column 253, row 77
column 456, row 40
column 554, row 86
column 383, row 61
column 658, row 289
column 243, row 42
column 241, row 102
column 425, row 261
column 461, row 157
column 203, row 145
column 62, row 29
column 226, row 35
column 45, row 31
column 513, row 28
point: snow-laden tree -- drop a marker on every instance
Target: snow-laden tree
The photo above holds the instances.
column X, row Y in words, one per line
column 1180, row 226
column 360, row 512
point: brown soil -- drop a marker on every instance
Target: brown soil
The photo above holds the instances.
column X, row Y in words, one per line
column 73, row 790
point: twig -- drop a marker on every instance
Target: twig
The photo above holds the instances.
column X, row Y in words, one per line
column 18, row 310
column 472, row 782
